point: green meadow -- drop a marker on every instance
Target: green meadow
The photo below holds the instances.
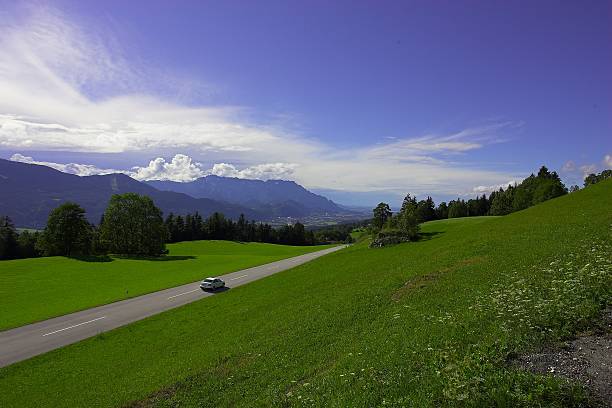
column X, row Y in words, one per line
column 428, row 323
column 40, row 288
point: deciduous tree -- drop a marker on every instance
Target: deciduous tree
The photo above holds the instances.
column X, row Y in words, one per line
column 133, row 225
column 67, row 232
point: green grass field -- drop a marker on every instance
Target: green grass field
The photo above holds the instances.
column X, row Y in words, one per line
column 429, row 323
column 37, row 289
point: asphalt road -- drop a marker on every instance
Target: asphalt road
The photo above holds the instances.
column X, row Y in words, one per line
column 37, row 338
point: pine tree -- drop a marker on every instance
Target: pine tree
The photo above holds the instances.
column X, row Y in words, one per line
column 8, row 239
column 382, row 213
column 442, row 211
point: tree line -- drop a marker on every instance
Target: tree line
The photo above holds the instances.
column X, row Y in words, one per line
column 596, row 178
column 389, row 228
column 16, row 245
column 132, row 225
column 193, row 227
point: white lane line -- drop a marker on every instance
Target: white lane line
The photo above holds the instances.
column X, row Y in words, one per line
column 239, row 277
column 181, row 294
column 76, row 325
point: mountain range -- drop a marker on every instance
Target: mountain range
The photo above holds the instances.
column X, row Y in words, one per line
column 28, row 192
column 276, row 198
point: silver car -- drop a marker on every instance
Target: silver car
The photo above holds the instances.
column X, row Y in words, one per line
column 212, row 284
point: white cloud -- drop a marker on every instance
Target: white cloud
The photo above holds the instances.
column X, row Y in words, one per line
column 584, row 170
column 417, row 148
column 588, row 169
column 569, row 166
column 71, row 168
column 65, row 88
column 496, row 187
column 267, row 171
column 181, row 168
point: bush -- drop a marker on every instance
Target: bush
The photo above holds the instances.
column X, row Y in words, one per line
column 392, row 236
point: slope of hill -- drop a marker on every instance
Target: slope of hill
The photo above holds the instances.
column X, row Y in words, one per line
column 427, row 323
column 279, row 198
column 30, row 192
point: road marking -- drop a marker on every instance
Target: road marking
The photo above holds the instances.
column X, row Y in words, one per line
column 76, row 325
column 181, row 294
column 239, row 277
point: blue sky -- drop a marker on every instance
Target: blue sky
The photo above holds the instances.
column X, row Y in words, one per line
column 361, row 100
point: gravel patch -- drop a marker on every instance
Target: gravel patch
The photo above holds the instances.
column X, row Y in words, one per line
column 587, row 359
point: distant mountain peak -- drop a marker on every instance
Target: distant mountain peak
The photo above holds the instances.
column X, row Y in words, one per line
column 284, row 198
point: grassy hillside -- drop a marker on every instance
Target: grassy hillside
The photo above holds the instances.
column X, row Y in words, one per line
column 430, row 323
column 37, row 289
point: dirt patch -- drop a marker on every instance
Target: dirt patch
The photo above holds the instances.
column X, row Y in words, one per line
column 586, row 359
column 417, row 282
column 421, row 281
column 153, row 399
column 464, row 262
